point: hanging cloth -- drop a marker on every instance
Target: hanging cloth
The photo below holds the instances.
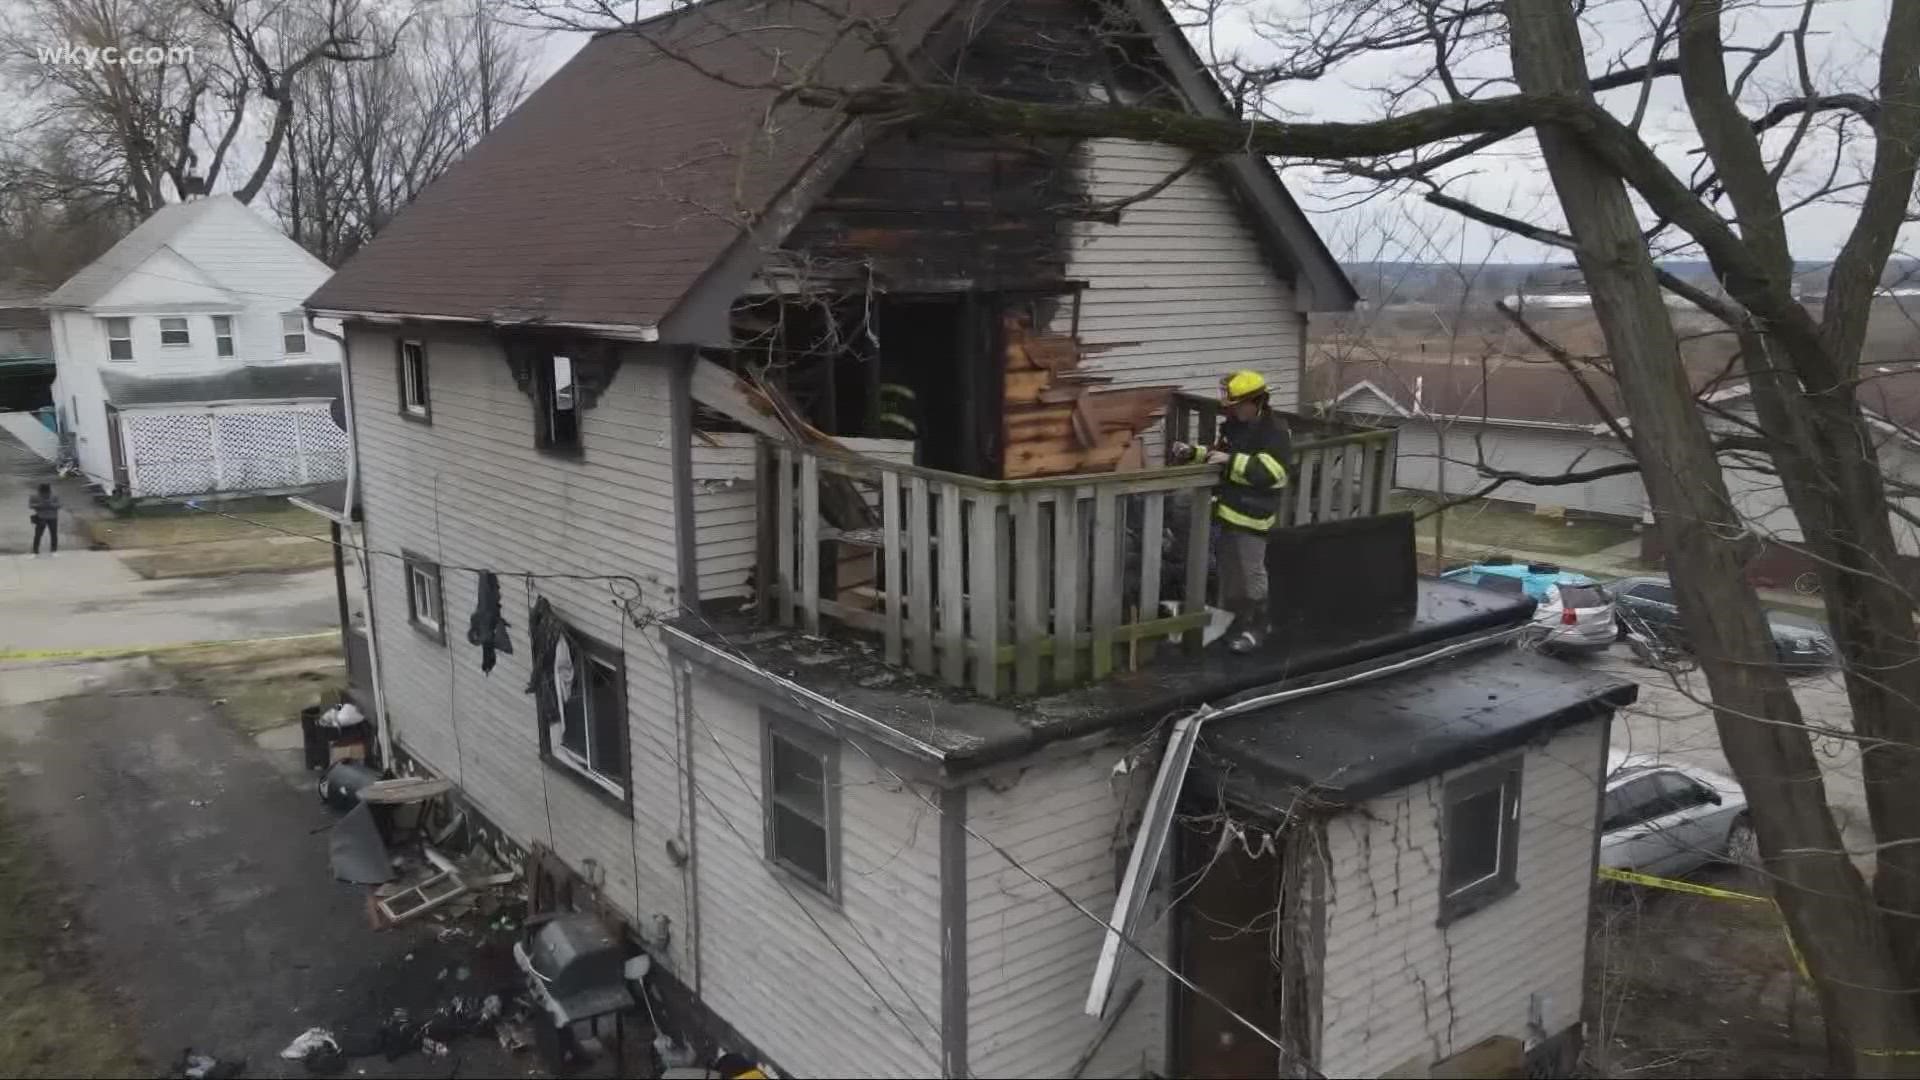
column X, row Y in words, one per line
column 488, row 628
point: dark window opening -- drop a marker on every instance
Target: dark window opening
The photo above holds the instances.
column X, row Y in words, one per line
column 1582, row 596
column 415, row 401
column 1479, row 840
column 559, row 398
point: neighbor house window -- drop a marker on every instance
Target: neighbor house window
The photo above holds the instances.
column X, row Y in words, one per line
column 801, row 781
column 1479, row 839
column 559, row 404
column 223, row 335
column 424, row 608
column 413, row 380
column 586, row 727
column 119, row 338
column 293, row 333
column 173, row 332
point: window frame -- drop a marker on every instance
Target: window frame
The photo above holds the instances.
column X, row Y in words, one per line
column 1503, row 777
column 286, row 335
column 825, row 749
column 413, row 563
column 588, row 650
column 106, row 327
column 412, row 384
column 186, row 328
column 546, row 400
column 223, row 341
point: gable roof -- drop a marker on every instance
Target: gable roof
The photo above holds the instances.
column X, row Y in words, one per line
column 102, row 274
column 617, row 187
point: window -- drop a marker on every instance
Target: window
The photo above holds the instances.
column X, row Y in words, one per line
column 1582, row 597
column 223, row 335
column 1479, row 840
column 424, row 609
column 173, row 332
column 293, row 333
column 119, row 338
column 559, row 400
column 413, row 381
column 586, row 717
column 1659, row 594
column 1650, row 796
column 801, row 782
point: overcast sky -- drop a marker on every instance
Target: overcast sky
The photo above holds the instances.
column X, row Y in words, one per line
column 1843, row 55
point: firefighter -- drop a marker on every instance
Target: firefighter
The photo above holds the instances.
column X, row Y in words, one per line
column 1252, row 451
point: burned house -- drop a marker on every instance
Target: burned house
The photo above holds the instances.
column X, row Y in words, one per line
column 816, row 465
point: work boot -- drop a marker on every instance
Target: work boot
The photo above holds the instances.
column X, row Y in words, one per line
column 1245, row 641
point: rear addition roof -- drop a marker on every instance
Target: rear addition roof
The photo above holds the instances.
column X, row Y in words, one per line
column 251, row 382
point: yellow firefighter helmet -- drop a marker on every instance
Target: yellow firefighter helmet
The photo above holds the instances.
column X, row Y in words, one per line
column 1242, row 385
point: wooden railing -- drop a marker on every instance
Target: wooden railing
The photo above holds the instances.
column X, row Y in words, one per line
column 1016, row 586
column 1339, row 470
column 1004, row 586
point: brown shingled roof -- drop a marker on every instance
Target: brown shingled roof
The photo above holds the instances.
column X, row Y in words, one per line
column 604, row 196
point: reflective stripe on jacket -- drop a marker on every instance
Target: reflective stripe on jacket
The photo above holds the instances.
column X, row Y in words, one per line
column 1255, row 472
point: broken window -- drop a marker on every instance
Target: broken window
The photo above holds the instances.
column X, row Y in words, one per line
column 800, row 773
column 1479, row 839
column 119, row 338
column 559, row 399
column 223, row 335
column 174, row 333
column 423, row 597
column 587, row 728
column 413, row 381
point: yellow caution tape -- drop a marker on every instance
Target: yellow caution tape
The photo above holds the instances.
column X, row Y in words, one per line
column 1672, row 885
column 1649, row 881
column 107, row 651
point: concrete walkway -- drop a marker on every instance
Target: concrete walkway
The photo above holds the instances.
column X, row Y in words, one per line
column 82, row 600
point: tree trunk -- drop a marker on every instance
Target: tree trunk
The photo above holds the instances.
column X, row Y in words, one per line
column 1825, row 902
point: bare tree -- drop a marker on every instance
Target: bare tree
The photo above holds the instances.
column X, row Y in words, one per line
column 1459, row 83
column 156, row 130
column 369, row 137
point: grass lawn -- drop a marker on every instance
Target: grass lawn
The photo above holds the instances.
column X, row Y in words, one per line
column 170, row 526
column 262, row 684
column 266, row 555
column 53, row 1020
column 1502, row 526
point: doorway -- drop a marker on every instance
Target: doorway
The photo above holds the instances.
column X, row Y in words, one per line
column 1229, row 944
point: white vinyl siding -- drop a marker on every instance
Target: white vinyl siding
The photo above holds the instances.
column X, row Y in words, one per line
column 1418, row 466
column 471, row 490
column 1178, row 290
column 1397, row 986
column 1030, row 955
column 768, row 940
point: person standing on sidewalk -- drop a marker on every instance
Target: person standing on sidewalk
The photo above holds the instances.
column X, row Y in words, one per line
column 43, row 509
column 1252, row 451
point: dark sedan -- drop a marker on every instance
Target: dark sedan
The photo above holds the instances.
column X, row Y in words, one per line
column 1798, row 642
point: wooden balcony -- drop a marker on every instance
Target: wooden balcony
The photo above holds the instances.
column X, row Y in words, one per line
column 1017, row 586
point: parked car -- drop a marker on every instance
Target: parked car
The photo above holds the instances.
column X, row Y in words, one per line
column 1668, row 818
column 1575, row 613
column 1798, row 642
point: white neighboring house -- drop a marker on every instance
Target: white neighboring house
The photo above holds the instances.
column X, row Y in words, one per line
column 185, row 365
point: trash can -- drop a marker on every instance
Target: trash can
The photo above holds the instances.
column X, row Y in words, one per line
column 319, row 734
column 314, row 738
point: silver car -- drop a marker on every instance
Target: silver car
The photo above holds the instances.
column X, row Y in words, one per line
column 1666, row 818
column 1572, row 613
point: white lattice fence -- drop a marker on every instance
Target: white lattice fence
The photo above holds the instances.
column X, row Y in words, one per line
column 188, row 452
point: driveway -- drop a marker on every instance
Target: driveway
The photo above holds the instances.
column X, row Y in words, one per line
column 89, row 600
column 1672, row 720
